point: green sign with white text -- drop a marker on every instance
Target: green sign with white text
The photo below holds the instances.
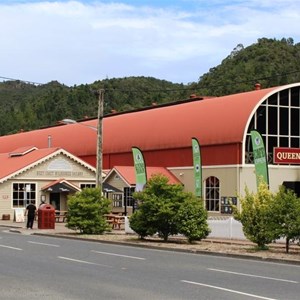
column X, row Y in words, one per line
column 140, row 169
column 197, row 167
column 260, row 159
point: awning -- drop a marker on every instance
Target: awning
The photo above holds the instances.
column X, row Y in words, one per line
column 107, row 188
column 60, row 186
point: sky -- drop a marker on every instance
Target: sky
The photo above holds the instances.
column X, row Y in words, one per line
column 79, row 42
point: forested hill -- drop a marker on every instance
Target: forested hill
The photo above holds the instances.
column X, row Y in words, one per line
column 270, row 62
column 25, row 106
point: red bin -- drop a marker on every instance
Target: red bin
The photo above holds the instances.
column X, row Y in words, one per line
column 46, row 217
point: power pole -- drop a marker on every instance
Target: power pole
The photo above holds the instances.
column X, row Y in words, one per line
column 99, row 153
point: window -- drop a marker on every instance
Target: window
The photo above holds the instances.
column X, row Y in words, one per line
column 277, row 120
column 87, row 185
column 23, row 194
column 128, row 199
column 212, row 194
column 117, row 199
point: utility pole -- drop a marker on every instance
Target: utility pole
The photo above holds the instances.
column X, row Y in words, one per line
column 99, row 154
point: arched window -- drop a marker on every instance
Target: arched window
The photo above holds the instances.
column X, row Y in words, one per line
column 277, row 120
column 212, row 194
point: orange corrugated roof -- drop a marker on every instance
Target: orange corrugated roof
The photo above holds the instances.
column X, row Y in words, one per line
column 128, row 174
column 213, row 121
column 15, row 164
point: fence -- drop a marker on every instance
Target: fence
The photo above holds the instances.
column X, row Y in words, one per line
column 221, row 227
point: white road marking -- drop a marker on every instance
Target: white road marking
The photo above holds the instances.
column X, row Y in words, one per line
column 83, row 261
column 250, row 275
column 13, row 248
column 121, row 255
column 227, row 290
column 44, row 244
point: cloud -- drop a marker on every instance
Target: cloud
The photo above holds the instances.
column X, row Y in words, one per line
column 80, row 42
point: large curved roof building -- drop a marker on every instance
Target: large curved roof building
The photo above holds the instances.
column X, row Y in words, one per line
column 222, row 125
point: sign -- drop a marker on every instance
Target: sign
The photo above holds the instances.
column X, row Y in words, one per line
column 260, row 158
column 197, row 167
column 286, row 155
column 19, row 215
column 140, row 169
column 226, row 203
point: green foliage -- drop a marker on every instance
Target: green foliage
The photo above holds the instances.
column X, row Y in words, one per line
column 192, row 219
column 167, row 210
column 256, row 216
column 86, row 211
column 25, row 106
column 286, row 215
column 270, row 62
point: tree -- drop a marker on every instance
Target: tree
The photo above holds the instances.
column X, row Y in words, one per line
column 286, row 215
column 86, row 211
column 167, row 210
column 256, row 216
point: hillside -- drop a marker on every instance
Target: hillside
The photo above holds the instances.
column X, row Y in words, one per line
column 25, row 106
column 270, row 62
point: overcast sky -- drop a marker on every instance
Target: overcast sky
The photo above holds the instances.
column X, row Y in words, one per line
column 79, row 42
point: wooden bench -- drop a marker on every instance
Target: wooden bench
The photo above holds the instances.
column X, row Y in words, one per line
column 60, row 216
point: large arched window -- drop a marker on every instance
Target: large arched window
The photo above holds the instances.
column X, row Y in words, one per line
column 212, row 194
column 277, row 120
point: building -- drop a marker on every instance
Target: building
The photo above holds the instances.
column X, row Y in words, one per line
column 222, row 125
column 41, row 175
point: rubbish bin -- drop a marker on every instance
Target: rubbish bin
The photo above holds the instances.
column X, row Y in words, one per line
column 46, row 217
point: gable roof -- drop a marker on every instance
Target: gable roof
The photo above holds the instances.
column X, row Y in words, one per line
column 60, row 185
column 127, row 173
column 14, row 165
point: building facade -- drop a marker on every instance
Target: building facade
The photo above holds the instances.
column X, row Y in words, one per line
column 222, row 125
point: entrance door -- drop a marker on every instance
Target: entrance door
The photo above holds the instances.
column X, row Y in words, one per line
column 55, row 200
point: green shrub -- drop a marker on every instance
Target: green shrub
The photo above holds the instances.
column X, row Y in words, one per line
column 192, row 219
column 86, row 211
column 256, row 216
column 167, row 210
column 286, row 215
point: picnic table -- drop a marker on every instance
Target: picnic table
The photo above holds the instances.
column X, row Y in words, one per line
column 60, row 216
column 116, row 221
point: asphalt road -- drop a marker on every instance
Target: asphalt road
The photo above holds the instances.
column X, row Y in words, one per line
column 39, row 267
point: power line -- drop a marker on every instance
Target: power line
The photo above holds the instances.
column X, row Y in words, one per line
column 25, row 81
column 189, row 87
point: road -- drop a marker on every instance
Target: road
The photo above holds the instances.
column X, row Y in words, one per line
column 39, row 267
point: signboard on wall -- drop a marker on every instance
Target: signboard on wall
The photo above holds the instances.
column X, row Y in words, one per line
column 226, row 203
column 286, row 155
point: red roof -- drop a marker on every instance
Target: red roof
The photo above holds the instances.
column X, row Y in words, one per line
column 128, row 174
column 213, row 121
column 14, row 165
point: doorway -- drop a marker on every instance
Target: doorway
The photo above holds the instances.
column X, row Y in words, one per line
column 55, row 200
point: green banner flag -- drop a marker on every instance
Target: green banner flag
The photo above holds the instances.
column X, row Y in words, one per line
column 140, row 169
column 197, row 167
column 260, row 159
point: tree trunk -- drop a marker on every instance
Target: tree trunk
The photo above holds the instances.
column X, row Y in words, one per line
column 287, row 244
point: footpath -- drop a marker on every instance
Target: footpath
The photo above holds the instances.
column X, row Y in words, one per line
column 212, row 246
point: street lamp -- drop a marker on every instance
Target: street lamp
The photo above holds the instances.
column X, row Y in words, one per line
column 100, row 94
